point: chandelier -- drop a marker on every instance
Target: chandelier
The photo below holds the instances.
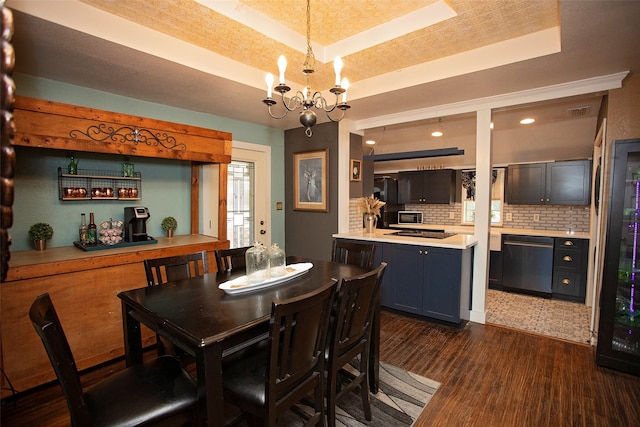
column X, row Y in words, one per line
column 305, row 100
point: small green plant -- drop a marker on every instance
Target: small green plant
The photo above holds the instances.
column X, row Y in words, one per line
column 169, row 223
column 40, row 231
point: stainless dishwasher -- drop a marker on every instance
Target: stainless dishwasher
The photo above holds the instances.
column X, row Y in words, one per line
column 527, row 263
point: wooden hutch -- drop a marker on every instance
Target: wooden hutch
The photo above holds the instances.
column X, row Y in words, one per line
column 84, row 285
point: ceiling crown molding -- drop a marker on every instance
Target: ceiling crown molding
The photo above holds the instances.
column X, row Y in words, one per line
column 579, row 87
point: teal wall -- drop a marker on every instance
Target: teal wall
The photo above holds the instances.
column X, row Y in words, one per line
column 165, row 183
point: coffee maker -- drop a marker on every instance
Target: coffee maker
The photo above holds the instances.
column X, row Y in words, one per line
column 135, row 221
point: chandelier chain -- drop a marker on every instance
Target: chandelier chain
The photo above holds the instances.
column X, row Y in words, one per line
column 310, row 60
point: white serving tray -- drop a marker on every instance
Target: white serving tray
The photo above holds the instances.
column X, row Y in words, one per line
column 241, row 284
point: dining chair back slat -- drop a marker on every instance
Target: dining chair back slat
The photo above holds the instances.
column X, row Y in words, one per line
column 360, row 254
column 169, row 269
column 228, row 260
column 270, row 381
column 349, row 338
column 172, row 268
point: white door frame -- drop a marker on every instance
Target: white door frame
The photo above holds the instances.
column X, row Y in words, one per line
column 260, row 155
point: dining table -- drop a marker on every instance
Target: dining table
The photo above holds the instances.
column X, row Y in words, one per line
column 210, row 323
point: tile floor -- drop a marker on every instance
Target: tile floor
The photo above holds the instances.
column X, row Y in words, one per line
column 556, row 318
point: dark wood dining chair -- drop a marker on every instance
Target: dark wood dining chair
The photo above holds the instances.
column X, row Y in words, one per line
column 271, row 380
column 158, row 392
column 360, row 254
column 228, row 260
column 168, row 269
column 349, row 338
column 178, row 267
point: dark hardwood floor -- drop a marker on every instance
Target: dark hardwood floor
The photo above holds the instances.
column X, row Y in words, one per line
column 490, row 375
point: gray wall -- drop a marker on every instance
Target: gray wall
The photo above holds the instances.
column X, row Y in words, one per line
column 308, row 234
column 355, row 150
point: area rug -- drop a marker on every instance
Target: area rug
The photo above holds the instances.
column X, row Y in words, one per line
column 400, row 400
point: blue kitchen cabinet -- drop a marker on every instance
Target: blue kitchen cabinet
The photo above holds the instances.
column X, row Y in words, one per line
column 407, row 278
column 553, row 183
column 423, row 280
column 426, row 281
column 429, row 186
column 441, row 297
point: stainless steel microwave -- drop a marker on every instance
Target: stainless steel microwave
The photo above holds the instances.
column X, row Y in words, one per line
column 409, row 217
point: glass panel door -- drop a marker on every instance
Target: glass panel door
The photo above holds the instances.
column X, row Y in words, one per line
column 626, row 329
column 240, row 205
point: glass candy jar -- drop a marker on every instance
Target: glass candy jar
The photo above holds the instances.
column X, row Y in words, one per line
column 257, row 260
column 277, row 262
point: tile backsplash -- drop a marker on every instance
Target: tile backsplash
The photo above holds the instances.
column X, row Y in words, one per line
column 554, row 217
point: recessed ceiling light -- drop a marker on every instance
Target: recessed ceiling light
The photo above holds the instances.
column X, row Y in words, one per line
column 370, row 142
column 436, row 133
column 527, row 121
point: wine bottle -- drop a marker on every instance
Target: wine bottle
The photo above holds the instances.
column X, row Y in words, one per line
column 92, row 231
column 83, row 230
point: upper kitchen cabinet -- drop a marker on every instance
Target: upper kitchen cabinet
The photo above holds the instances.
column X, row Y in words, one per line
column 428, row 186
column 556, row 183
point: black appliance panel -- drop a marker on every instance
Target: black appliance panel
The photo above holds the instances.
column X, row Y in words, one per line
column 386, row 189
column 527, row 263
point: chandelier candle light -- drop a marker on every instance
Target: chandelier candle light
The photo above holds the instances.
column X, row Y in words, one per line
column 306, row 100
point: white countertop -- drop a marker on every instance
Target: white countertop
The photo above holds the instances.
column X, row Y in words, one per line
column 468, row 229
column 459, row 241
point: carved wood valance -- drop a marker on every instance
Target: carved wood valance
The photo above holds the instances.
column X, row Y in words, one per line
column 48, row 124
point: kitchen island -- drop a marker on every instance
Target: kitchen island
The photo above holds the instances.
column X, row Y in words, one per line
column 428, row 277
column 565, row 267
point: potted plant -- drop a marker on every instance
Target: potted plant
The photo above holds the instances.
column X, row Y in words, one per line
column 169, row 224
column 39, row 233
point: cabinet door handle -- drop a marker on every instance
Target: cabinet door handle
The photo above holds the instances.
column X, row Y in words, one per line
column 566, row 281
column 419, row 252
column 567, row 258
column 568, row 243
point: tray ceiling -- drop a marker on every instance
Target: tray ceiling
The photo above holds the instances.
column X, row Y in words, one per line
column 374, row 38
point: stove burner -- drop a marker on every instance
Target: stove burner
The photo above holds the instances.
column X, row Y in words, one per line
column 426, row 234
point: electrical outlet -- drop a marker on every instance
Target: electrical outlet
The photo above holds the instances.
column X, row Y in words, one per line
column 452, row 215
column 509, row 216
column 536, row 217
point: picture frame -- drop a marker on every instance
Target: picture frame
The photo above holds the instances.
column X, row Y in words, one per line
column 310, row 181
column 356, row 170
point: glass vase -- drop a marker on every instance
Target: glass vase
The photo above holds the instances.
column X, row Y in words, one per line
column 257, row 260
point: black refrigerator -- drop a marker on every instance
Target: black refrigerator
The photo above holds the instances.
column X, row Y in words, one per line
column 619, row 326
column 386, row 189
